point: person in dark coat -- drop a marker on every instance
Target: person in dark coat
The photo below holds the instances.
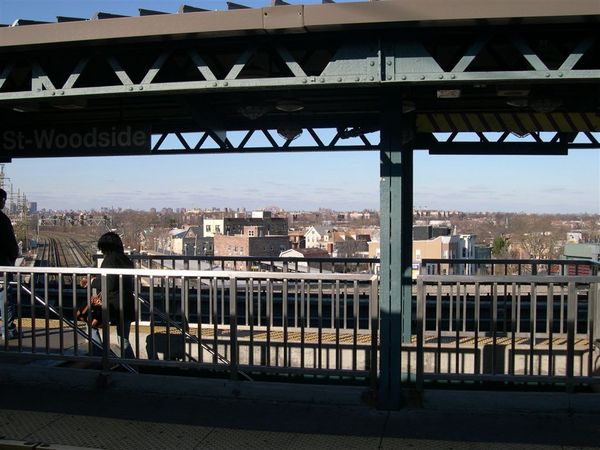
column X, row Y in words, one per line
column 9, row 251
column 111, row 246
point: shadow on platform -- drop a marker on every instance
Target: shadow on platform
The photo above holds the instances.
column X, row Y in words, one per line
column 69, row 407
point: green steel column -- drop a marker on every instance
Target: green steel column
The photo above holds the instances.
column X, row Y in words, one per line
column 396, row 252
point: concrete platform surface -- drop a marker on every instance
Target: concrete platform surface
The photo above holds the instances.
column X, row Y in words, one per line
column 38, row 410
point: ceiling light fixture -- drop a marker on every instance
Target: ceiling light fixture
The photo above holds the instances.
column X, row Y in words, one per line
column 513, row 92
column 253, row 112
column 408, row 106
column 545, row 104
column 289, row 133
column 289, row 106
column 518, row 102
column 448, row 93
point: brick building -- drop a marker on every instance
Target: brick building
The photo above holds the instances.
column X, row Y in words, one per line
column 251, row 242
column 232, row 226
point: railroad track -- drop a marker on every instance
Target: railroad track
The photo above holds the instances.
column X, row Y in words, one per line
column 61, row 251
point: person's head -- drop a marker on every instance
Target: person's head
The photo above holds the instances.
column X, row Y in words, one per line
column 3, row 196
column 110, row 242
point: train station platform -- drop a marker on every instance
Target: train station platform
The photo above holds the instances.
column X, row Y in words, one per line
column 66, row 408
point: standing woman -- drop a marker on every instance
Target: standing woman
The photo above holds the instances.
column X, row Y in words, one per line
column 111, row 246
column 9, row 251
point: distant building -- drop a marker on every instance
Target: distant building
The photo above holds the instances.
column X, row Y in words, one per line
column 189, row 242
column 251, row 242
column 196, row 244
column 424, row 232
column 303, row 266
column 261, row 214
column 212, row 227
column 350, row 248
column 374, row 249
column 589, row 252
column 441, row 247
column 467, row 251
column 175, row 244
column 360, row 215
column 315, row 235
column 231, row 226
column 574, row 237
column 304, row 253
column 297, row 239
column 483, row 252
column 582, row 251
column 445, row 246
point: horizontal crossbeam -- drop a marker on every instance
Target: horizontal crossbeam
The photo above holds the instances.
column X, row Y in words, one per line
column 448, row 58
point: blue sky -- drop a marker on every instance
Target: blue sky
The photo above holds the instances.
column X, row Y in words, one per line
column 296, row 181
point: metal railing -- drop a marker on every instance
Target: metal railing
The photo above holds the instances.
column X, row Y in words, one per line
column 513, row 329
column 257, row 263
column 243, row 323
column 551, row 267
column 508, row 329
column 457, row 266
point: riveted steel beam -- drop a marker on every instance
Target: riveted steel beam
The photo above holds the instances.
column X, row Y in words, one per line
column 489, row 56
column 492, row 55
column 272, row 141
column 396, row 191
column 342, row 65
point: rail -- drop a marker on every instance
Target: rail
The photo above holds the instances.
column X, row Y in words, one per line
column 258, row 263
column 241, row 323
column 507, row 329
column 429, row 266
column 478, row 266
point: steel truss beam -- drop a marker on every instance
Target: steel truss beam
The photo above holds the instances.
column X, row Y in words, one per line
column 438, row 143
column 343, row 140
column 493, row 55
column 506, row 143
column 75, row 221
column 211, row 141
column 438, row 57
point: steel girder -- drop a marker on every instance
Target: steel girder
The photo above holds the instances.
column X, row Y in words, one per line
column 274, row 141
column 502, row 78
column 444, row 57
column 343, row 140
column 522, row 60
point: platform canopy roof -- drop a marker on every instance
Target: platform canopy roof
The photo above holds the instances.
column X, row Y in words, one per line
column 238, row 20
column 455, row 65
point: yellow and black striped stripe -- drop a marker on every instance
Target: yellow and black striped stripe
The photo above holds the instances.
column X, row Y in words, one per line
column 502, row 121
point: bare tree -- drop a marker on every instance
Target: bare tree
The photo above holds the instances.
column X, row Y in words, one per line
column 540, row 245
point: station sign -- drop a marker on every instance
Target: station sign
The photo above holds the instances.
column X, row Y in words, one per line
column 124, row 139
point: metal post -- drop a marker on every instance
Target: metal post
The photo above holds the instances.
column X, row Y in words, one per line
column 571, row 318
column 105, row 323
column 396, row 251
column 374, row 322
column 3, row 311
column 233, row 359
column 421, row 302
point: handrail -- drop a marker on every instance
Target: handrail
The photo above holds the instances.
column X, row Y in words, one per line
column 138, row 256
column 518, row 279
column 191, row 337
column 225, row 274
column 470, row 266
column 509, row 328
column 509, row 261
column 74, row 326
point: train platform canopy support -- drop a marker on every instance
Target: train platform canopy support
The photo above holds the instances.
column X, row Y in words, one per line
column 451, row 77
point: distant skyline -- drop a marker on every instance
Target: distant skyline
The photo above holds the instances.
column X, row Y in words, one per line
column 294, row 181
